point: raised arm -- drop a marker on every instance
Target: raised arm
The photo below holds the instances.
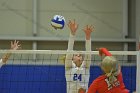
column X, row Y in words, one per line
column 88, row 30
column 73, row 28
column 14, row 46
column 104, row 51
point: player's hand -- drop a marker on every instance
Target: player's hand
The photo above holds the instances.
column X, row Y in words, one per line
column 73, row 26
column 15, row 45
column 81, row 90
column 88, row 29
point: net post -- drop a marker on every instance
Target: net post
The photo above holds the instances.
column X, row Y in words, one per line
column 138, row 73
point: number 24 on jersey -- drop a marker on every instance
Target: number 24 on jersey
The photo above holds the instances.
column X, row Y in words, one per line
column 77, row 77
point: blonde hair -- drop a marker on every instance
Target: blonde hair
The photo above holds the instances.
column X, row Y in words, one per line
column 110, row 66
column 62, row 59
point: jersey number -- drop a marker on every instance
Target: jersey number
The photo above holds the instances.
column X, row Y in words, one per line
column 110, row 86
column 77, row 77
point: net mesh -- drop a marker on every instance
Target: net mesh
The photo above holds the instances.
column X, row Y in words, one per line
column 34, row 71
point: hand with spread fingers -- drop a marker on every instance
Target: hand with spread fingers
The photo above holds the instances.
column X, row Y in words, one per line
column 88, row 29
column 73, row 26
column 14, row 46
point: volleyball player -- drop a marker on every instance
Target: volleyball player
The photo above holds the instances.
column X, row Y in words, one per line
column 77, row 66
column 14, row 46
column 111, row 81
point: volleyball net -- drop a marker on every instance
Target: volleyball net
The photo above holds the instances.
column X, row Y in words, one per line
column 34, row 71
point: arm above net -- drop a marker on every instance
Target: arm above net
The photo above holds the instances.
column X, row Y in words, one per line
column 87, row 58
column 104, row 51
column 88, row 30
column 68, row 60
column 14, row 46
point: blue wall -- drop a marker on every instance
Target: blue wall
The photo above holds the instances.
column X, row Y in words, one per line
column 48, row 79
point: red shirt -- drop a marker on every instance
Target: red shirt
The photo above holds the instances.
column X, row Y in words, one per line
column 102, row 85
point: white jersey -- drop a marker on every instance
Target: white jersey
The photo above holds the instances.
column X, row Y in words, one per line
column 77, row 77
